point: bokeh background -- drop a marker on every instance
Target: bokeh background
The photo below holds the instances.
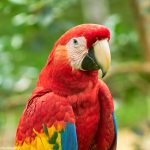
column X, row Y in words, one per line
column 28, row 30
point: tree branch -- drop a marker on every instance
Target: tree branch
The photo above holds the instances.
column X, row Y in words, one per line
column 130, row 67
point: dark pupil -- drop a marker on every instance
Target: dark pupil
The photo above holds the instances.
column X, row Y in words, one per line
column 75, row 41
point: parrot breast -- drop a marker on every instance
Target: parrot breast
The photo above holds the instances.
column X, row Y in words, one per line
column 87, row 115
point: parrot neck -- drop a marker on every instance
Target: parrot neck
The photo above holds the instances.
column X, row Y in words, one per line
column 64, row 80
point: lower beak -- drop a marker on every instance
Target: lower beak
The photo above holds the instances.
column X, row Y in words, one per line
column 98, row 57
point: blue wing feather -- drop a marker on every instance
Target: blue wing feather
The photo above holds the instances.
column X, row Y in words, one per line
column 115, row 125
column 69, row 138
column 114, row 145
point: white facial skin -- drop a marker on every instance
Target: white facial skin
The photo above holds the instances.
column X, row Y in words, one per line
column 77, row 50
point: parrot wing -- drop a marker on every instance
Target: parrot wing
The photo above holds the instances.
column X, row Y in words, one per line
column 114, row 145
column 47, row 123
column 107, row 131
column 69, row 138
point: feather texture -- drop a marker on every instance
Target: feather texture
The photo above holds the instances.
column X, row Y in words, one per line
column 69, row 138
column 42, row 123
column 52, row 139
column 69, row 109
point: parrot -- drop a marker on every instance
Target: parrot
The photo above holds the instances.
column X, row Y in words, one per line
column 71, row 108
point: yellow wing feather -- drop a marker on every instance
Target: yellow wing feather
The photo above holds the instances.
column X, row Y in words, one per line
column 41, row 141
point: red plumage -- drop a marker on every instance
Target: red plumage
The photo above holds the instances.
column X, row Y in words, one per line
column 64, row 94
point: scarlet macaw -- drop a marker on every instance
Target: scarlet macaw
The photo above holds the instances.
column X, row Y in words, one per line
column 70, row 108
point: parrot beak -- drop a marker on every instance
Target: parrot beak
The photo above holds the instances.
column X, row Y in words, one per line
column 102, row 55
column 98, row 57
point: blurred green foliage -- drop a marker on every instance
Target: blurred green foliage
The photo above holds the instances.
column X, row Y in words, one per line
column 28, row 30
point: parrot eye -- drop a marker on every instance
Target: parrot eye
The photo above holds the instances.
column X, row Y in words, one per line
column 75, row 42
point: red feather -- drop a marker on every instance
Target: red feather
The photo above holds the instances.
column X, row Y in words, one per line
column 68, row 95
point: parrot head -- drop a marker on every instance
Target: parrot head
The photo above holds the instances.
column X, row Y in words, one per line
column 76, row 58
column 87, row 47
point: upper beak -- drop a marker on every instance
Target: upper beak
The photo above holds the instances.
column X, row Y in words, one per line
column 102, row 55
column 98, row 57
